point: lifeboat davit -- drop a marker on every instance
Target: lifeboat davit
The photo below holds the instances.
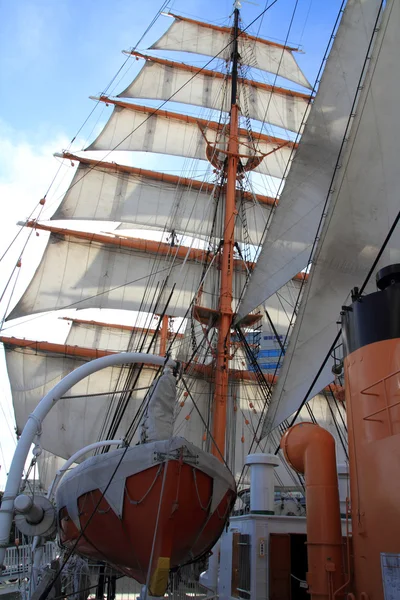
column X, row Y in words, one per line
column 162, row 504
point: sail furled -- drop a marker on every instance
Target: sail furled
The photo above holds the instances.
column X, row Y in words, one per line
column 73, row 423
column 116, row 338
column 290, row 237
column 142, row 199
column 163, row 80
column 187, row 35
column 363, row 208
column 79, row 273
column 137, row 128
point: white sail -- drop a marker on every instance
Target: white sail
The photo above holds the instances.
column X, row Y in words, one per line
column 289, row 240
column 208, row 89
column 361, row 213
column 187, row 35
column 144, row 201
column 149, row 131
column 113, row 338
column 81, row 274
column 72, row 423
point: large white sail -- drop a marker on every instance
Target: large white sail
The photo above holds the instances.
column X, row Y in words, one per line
column 142, row 129
column 290, row 237
column 73, row 423
column 361, row 213
column 75, row 273
column 143, row 199
column 188, row 35
column 164, row 80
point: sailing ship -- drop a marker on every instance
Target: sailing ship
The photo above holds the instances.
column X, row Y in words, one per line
column 231, row 284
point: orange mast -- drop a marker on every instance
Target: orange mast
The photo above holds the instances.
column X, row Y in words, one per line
column 163, row 335
column 227, row 265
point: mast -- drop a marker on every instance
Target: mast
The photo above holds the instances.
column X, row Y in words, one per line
column 225, row 300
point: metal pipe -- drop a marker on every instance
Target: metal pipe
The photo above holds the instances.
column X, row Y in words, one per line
column 310, row 450
column 25, row 505
column 33, row 426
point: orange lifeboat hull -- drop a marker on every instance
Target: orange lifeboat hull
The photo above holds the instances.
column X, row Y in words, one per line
column 173, row 510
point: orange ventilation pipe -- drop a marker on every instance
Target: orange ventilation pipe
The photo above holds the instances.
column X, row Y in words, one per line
column 310, row 450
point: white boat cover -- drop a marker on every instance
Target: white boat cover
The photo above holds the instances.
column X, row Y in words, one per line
column 362, row 210
column 158, row 421
column 286, row 250
column 98, row 471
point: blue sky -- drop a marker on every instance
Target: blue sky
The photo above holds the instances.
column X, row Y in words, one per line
column 54, row 54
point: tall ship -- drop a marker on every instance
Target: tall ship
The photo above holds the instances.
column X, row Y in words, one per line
column 214, row 406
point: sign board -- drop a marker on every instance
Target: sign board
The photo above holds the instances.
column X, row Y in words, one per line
column 390, row 564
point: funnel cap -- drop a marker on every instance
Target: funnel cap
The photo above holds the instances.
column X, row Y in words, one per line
column 387, row 276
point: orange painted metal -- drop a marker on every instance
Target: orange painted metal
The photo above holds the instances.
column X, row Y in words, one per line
column 164, row 335
column 229, row 30
column 174, row 179
column 186, row 527
column 310, row 449
column 218, row 75
column 66, row 349
column 202, row 123
column 226, row 296
column 373, row 414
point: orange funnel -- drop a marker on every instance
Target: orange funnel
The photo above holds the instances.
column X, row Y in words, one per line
column 310, row 450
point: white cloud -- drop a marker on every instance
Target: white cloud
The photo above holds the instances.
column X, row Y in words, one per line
column 26, row 172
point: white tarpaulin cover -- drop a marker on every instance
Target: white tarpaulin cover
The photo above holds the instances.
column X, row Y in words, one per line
column 286, row 250
column 158, row 421
column 96, row 473
column 187, row 35
column 361, row 213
